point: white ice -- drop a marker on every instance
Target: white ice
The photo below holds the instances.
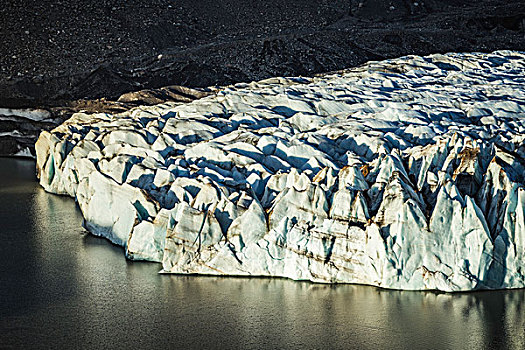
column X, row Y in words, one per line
column 406, row 173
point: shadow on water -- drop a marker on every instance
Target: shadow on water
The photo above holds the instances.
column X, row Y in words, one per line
column 60, row 287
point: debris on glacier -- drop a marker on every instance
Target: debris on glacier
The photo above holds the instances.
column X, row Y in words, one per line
column 406, row 173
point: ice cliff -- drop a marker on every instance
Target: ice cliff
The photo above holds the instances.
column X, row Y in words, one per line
column 406, row 173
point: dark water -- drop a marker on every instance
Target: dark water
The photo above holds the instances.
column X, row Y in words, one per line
column 62, row 288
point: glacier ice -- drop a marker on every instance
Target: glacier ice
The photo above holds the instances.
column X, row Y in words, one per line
column 406, row 173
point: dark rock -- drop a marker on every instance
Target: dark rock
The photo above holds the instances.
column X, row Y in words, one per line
column 105, row 49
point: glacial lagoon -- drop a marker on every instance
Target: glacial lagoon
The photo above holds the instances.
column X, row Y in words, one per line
column 62, row 287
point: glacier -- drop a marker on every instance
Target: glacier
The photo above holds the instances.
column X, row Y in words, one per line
column 406, row 173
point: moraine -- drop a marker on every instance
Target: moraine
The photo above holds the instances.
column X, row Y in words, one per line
column 406, row 173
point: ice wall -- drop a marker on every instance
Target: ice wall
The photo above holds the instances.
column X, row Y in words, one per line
column 406, row 173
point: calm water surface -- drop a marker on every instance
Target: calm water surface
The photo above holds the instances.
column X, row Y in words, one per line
column 62, row 288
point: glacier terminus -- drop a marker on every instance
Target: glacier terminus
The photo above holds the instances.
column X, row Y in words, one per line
column 406, row 173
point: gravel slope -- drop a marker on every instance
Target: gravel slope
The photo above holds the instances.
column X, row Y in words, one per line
column 56, row 51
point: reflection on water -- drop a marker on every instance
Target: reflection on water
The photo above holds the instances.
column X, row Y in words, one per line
column 62, row 287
